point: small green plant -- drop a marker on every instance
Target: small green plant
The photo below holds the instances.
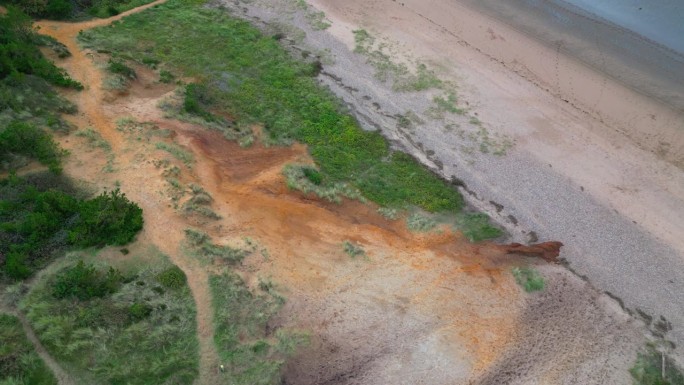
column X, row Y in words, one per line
column 528, row 278
column 138, row 311
column 313, row 175
column 352, row 249
column 172, row 278
column 166, row 77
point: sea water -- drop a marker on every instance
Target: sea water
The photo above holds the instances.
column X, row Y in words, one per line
column 661, row 21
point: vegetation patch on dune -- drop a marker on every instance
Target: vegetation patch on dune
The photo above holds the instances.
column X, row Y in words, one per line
column 251, row 350
column 255, row 80
column 19, row 363
column 528, row 278
column 130, row 326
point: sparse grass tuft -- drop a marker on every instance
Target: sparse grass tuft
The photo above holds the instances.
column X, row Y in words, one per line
column 252, row 351
column 389, row 213
column 655, row 368
column 528, row 278
column 120, row 68
column 420, row 222
column 177, row 152
column 309, row 180
column 352, row 249
column 202, row 247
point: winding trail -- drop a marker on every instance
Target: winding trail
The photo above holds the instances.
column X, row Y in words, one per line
column 91, row 113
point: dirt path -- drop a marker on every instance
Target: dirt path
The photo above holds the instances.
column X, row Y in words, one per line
column 62, row 377
column 90, row 104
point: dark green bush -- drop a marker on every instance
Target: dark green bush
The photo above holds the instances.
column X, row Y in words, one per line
column 313, row 175
column 173, row 278
column 36, row 226
column 85, row 282
column 20, row 138
column 19, row 53
column 109, row 219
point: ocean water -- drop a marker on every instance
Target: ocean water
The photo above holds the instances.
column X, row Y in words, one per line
column 661, row 21
column 641, row 48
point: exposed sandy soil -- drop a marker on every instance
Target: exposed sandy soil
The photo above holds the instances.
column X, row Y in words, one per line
column 420, row 309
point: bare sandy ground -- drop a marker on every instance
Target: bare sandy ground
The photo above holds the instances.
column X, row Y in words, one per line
column 595, row 164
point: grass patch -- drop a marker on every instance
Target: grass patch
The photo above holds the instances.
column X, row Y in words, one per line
column 389, row 213
column 255, row 80
column 120, row 68
column 654, row 368
column 177, row 152
column 199, row 203
column 19, row 363
column 201, row 246
column 252, row 351
column 139, row 332
column 308, row 180
column 477, row 227
column 528, row 278
column 420, row 222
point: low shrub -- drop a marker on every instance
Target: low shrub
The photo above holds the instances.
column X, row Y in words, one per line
column 477, row 227
column 172, row 278
column 85, row 282
column 119, row 67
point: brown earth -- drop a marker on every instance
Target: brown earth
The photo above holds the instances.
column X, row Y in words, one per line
column 418, row 308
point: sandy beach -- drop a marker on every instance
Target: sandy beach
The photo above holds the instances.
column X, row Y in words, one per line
column 589, row 166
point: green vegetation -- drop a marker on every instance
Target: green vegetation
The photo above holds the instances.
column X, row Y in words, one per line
column 119, row 67
column 109, row 326
column 70, row 9
column 477, row 227
column 19, row 363
column 309, row 180
column 252, row 352
column 403, row 79
column 352, row 249
column 655, row 368
column 201, row 246
column 528, row 278
column 85, row 282
column 177, row 152
column 257, row 81
column 38, row 223
column 20, row 138
column 19, row 54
